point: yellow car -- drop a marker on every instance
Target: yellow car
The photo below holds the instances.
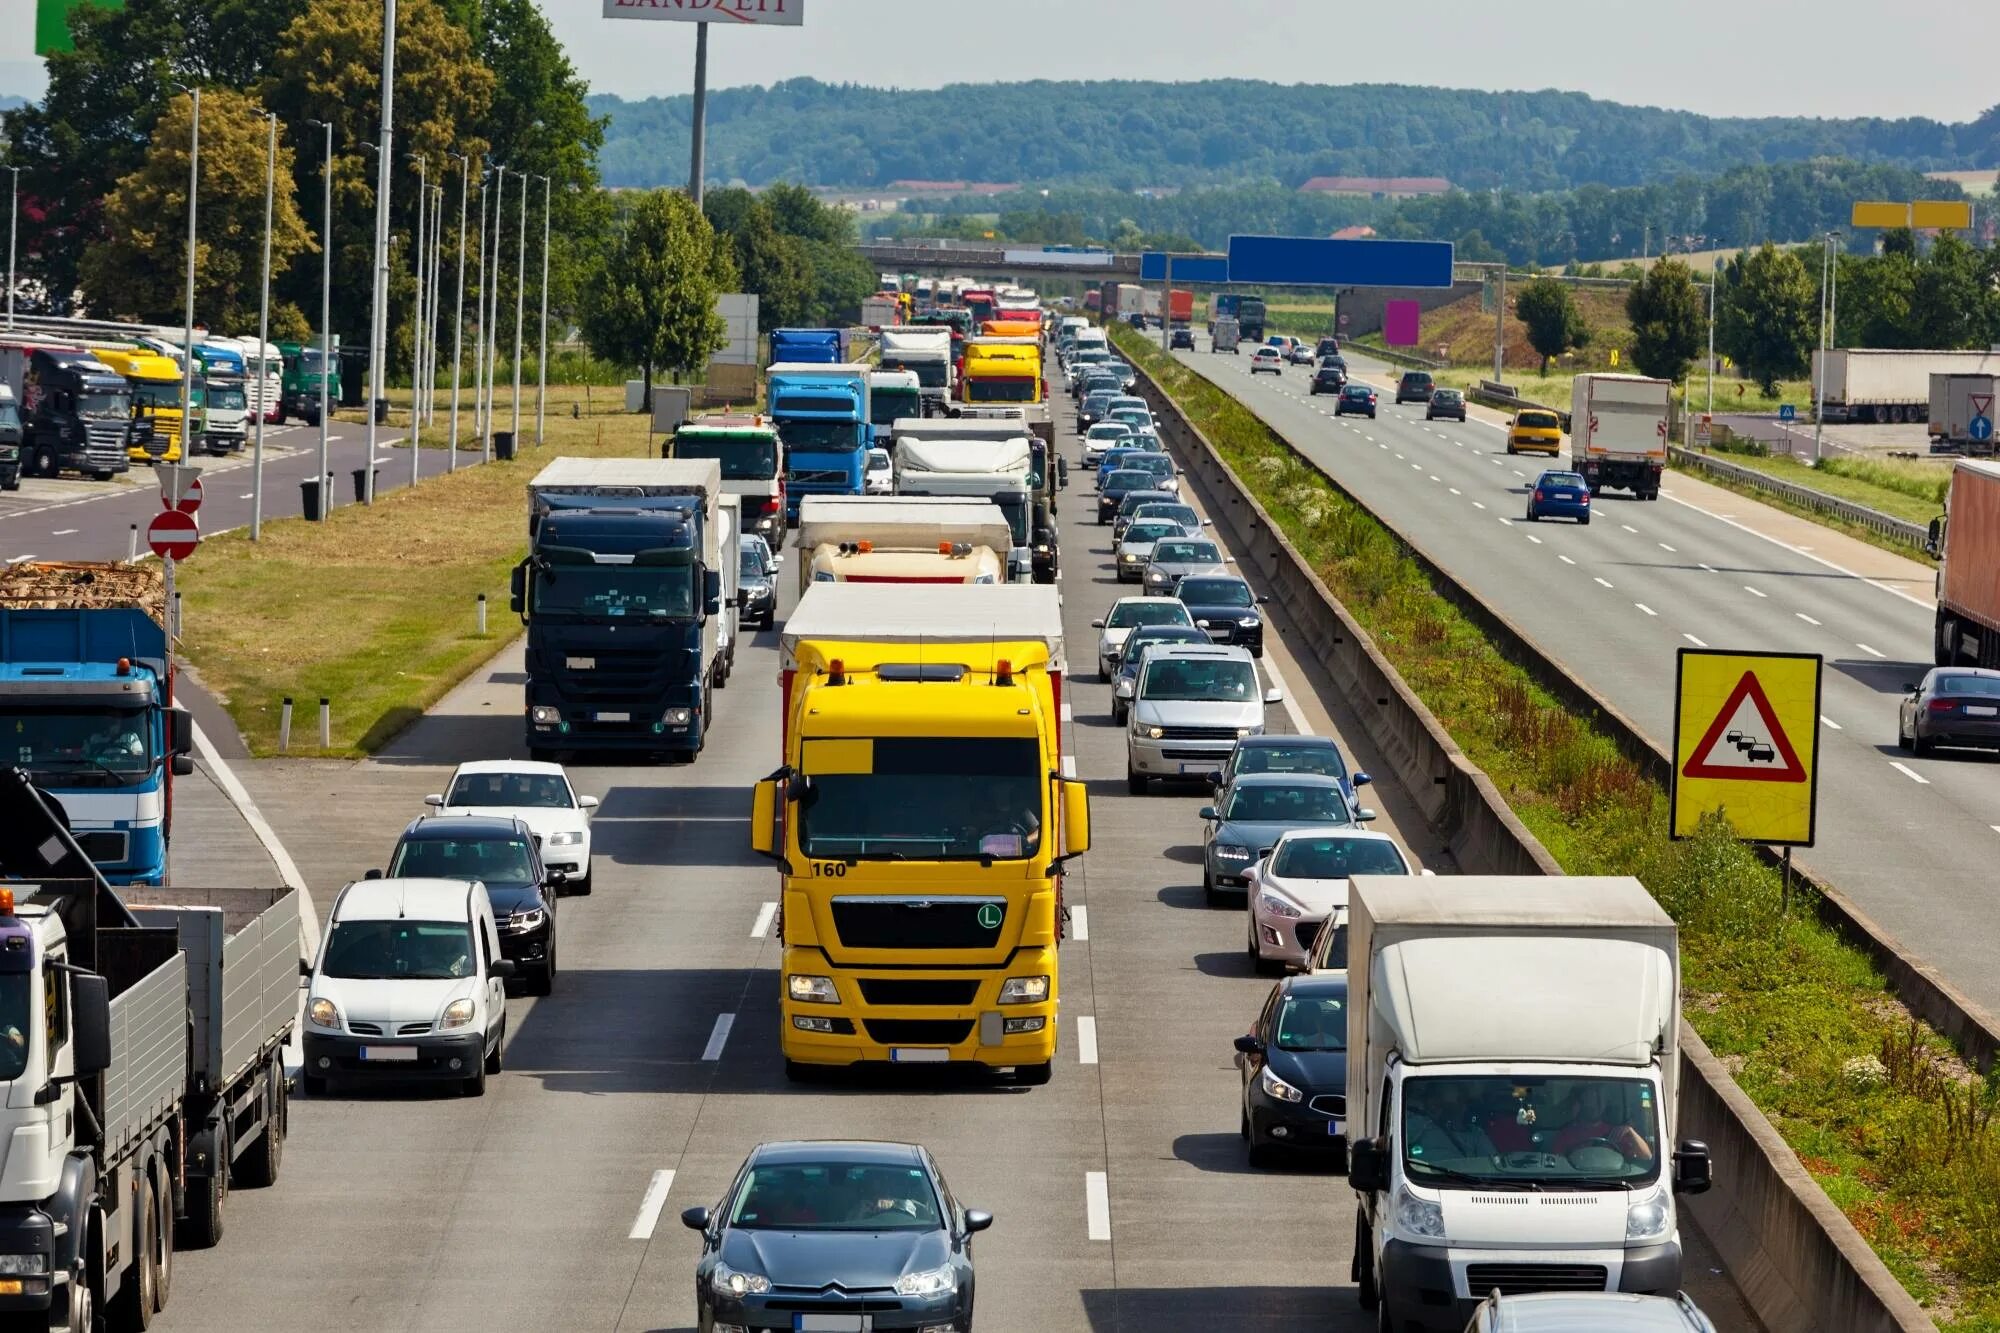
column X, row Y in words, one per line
column 1536, row 430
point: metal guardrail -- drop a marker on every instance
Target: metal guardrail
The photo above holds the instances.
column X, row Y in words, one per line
column 1896, row 529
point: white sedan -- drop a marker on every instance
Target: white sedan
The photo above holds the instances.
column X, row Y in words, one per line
column 1293, row 891
column 537, row 794
column 1126, row 615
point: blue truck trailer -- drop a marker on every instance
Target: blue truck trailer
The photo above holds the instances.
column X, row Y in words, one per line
column 823, row 415
column 813, row 347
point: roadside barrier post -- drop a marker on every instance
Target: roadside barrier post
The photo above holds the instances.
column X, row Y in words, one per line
column 482, row 615
column 285, row 725
column 325, row 725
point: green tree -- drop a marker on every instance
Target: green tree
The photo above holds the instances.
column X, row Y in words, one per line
column 1768, row 316
column 771, row 266
column 1875, row 297
column 137, row 270
column 1665, row 309
column 650, row 302
column 1950, row 296
column 1555, row 325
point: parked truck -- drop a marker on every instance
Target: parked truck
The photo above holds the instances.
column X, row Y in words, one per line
column 994, row 469
column 310, row 378
column 1963, row 413
column 154, row 1082
column 921, row 827
column 825, row 421
column 87, row 706
column 76, row 411
column 1618, row 431
column 1966, row 542
column 1513, row 1059
column 902, row 539
column 621, row 592
column 154, row 379
column 10, row 440
column 813, row 347
column 1873, row 384
column 752, row 462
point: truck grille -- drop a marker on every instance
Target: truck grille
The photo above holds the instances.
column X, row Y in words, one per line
column 811, row 478
column 1517, row 1279
column 886, row 991
column 920, row 1032
column 1200, row 733
column 104, row 444
column 105, row 846
column 915, row 923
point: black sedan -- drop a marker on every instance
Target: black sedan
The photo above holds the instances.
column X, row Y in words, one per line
column 756, row 579
column 1294, row 1066
column 500, row 852
column 1182, row 340
column 1951, row 706
column 1330, row 376
column 1223, row 605
column 1125, row 481
column 1445, row 403
column 836, row 1235
column 1254, row 811
column 1355, row 398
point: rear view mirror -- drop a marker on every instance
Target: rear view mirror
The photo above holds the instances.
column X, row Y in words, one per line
column 1097, row 624
column 977, row 1219
column 434, row 800
column 1365, row 816
column 1367, row 1166
column 181, row 765
column 372, row 874
column 502, row 968
column 1274, row 696
column 90, row 1023
column 1076, row 818
column 1692, row 1170
column 777, row 559
column 764, row 818
column 517, row 589
column 1206, row 812
column 586, row 802
column 1249, row 1045
column 1362, row 779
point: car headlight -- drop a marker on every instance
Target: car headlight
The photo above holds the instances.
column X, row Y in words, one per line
column 1249, row 622
column 1129, row 558
column 1151, row 733
column 1157, row 576
column 936, row 1282
column 1272, row 905
column 726, row 1281
column 456, row 1014
column 1647, row 1219
column 566, row 838
column 1024, row 990
column 544, row 715
column 323, row 1013
column 1274, row 1086
column 811, row 990
column 1230, row 852
column 521, row 922
column 1418, row 1217
column 677, row 717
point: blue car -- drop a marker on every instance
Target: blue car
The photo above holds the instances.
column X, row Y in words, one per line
column 1560, row 495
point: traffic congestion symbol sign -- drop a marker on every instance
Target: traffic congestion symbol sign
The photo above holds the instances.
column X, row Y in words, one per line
column 173, row 534
column 1746, row 743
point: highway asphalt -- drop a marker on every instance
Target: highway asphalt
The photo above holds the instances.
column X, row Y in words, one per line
column 1909, row 839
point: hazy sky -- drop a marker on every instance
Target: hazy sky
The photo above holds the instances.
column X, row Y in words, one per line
column 1723, row 57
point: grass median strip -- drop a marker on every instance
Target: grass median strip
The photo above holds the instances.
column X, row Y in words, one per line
column 373, row 609
column 1879, row 1109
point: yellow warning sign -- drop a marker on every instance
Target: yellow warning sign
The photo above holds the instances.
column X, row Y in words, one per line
column 1746, row 743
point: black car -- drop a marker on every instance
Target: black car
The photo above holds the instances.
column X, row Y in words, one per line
column 1416, row 386
column 1294, row 1065
column 1223, row 605
column 1445, row 403
column 1950, row 706
column 1330, row 376
column 1357, row 398
column 1292, row 754
column 757, row 580
column 1090, row 408
column 1181, row 340
column 808, row 1234
column 500, row 853
column 1126, row 481
column 1327, row 347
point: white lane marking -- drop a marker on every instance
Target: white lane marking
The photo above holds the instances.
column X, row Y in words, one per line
column 1477, row 505
column 1498, row 463
column 1693, row 640
column 1079, row 922
column 1504, row 523
column 718, row 1038
column 1418, row 467
column 1452, row 489
column 1519, row 473
column 1600, row 580
column 1801, row 550
column 1647, row 609
column 1434, row 477
column 66, row 532
column 247, row 495
column 1067, row 714
column 1097, row 1205
column 1086, row 1043
column 288, row 869
column 1299, row 723
column 1803, row 616
column 1710, row 568
column 1909, row 773
column 1829, row 722
column 1533, row 538
column 1069, row 765
column 1399, row 455
column 1565, row 559
column 650, row 1206
column 762, row 926
column 1752, row 591
column 1628, row 527
column 1872, row 652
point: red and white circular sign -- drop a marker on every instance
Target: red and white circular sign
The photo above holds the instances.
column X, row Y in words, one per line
column 190, row 499
column 173, row 535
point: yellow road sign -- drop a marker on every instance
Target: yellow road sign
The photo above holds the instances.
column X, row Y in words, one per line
column 1942, row 213
column 1746, row 743
column 1877, row 214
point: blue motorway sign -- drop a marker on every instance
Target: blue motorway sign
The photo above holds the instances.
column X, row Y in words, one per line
column 1786, row 412
column 1187, row 268
column 1309, row 261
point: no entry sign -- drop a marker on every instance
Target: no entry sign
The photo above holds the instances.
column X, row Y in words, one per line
column 173, row 535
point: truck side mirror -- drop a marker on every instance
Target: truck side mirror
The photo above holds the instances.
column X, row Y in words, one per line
column 1934, row 537
column 181, row 765
column 764, row 818
column 90, row 1023
column 711, row 591
column 517, row 590
column 180, row 732
column 1367, row 1165
column 1692, row 1173
column 1076, row 817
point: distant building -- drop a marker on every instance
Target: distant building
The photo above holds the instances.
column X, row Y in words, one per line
column 1377, row 187
column 1354, row 234
column 953, row 187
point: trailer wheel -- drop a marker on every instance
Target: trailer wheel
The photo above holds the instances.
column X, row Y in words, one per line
column 258, row 1167
column 163, row 1240
column 133, row 1306
column 201, row 1229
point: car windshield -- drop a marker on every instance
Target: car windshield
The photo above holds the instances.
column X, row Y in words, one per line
column 1302, row 803
column 1200, row 679
column 1358, row 391
column 1538, row 421
column 1141, row 638
column 1337, row 858
column 533, row 791
column 742, row 457
column 1158, row 465
column 1187, row 553
column 1985, row 686
column 750, row 564
column 1109, row 430
column 1179, row 513
column 1291, row 759
column 879, row 461
column 79, row 747
column 399, row 950
column 1561, row 479
column 1312, row 1023
column 1149, row 531
column 1147, row 611
column 654, row 592
column 490, row 860
column 1095, row 401
column 1147, row 442
column 835, row 1196
column 1216, row 592
column 929, row 798
column 1417, row 380
column 1271, row 352
column 1129, row 479
column 1530, row 1129
column 1446, row 395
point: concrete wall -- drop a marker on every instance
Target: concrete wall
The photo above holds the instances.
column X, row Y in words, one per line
column 1363, row 305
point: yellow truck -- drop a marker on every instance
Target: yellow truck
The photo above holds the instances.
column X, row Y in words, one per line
column 156, row 396
column 1002, row 370
column 902, row 539
column 921, row 823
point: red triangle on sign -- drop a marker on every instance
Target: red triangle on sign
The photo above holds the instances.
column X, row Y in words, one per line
column 1981, row 403
column 1740, row 754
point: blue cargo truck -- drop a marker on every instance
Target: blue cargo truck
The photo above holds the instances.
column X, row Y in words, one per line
column 622, row 596
column 812, row 347
column 86, row 706
column 822, row 413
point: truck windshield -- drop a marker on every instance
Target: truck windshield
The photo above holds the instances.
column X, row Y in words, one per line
column 227, row 399
column 1530, row 1129
column 88, row 747
column 1003, row 389
column 930, row 374
column 649, row 592
column 310, row 361
column 885, row 406
column 105, row 405
column 401, row 950
column 160, row 395
column 820, row 436
column 1015, row 507
column 929, row 798
column 14, row 1028
column 743, row 458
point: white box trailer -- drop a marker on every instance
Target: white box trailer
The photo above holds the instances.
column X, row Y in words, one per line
column 909, row 539
column 1878, row 384
column 925, row 350
column 1963, row 412
column 1513, row 1062
column 1618, row 431
column 999, row 470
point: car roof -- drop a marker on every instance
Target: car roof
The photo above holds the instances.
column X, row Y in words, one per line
column 526, row 765
column 1350, row 832
column 1587, row 1312
column 425, row 828
column 1198, row 651
column 1215, row 578
column 853, row 1150
column 1315, row 983
column 392, row 899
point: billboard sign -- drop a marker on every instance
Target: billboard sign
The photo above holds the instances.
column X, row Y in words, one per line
column 1187, row 268
column 756, row 13
column 739, row 314
column 1310, row 261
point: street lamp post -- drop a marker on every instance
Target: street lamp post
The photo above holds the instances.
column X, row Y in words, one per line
column 492, row 348
column 520, row 297
column 325, row 313
column 263, row 332
column 431, row 331
column 479, row 329
column 417, row 324
column 542, row 343
column 384, row 160
column 187, row 339
column 1714, row 281
column 13, row 217
column 458, row 311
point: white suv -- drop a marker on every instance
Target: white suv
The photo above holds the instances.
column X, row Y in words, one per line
column 540, row 796
column 1189, row 708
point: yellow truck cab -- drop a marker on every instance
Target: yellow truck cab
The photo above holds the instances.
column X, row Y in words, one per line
column 920, row 823
column 1535, row 430
column 1002, row 370
column 156, row 396
column 902, row 539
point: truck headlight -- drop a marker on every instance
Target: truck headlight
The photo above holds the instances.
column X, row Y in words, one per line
column 566, row 838
column 811, row 990
column 21, row 1265
column 677, row 717
column 545, row 716
column 728, row 1282
column 456, row 1015
column 1647, row 1219
column 1274, row 1086
column 1418, row 1217
column 1024, row 990
column 323, row 1013
column 936, row 1282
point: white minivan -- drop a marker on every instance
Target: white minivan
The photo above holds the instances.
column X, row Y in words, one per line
column 409, row 984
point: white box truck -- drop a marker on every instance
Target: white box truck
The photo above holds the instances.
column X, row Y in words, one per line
column 999, row 470
column 926, row 351
column 1513, row 1055
column 1618, row 431
column 1882, row 384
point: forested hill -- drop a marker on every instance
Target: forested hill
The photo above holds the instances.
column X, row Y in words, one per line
column 1134, row 134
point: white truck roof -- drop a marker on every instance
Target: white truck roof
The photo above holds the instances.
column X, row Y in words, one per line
column 983, row 456
column 920, row 614
column 913, row 523
column 630, row 476
column 1008, row 426
column 893, row 379
column 928, row 339
column 841, row 370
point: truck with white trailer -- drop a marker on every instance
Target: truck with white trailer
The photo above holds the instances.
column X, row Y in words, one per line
column 1962, row 413
column 902, row 539
column 996, row 469
column 1618, row 431
column 1513, row 1058
column 924, row 350
column 1879, row 384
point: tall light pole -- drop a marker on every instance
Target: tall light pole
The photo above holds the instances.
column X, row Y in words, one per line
column 419, row 236
column 520, row 298
column 13, row 217
column 1825, row 340
column 458, row 312
column 378, row 326
column 325, row 314
column 492, row 348
column 479, row 327
column 542, row 343
column 431, row 317
column 187, row 338
column 263, row 331
column 695, row 171
column 1714, row 281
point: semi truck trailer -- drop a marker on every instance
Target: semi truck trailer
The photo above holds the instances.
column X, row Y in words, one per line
column 1618, row 432
column 1874, row 384
column 1965, row 539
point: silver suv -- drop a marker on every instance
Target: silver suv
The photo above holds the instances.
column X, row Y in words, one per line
column 1192, row 704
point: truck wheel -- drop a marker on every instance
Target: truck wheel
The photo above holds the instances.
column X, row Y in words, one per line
column 133, row 1306
column 80, row 1313
column 42, row 463
column 1034, row 1076
column 201, row 1229
column 257, row 1168
column 1364, row 1264
column 163, row 1240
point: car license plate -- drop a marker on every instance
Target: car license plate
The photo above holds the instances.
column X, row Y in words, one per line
column 1200, row 770
column 580, row 663
column 1336, row 1127
column 614, row 717
column 1980, row 710
column 388, row 1052
column 918, row 1055
column 832, row 1323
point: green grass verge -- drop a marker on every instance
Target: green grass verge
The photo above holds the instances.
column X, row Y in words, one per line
column 1846, row 488
column 1885, row 486
column 1878, row 1108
